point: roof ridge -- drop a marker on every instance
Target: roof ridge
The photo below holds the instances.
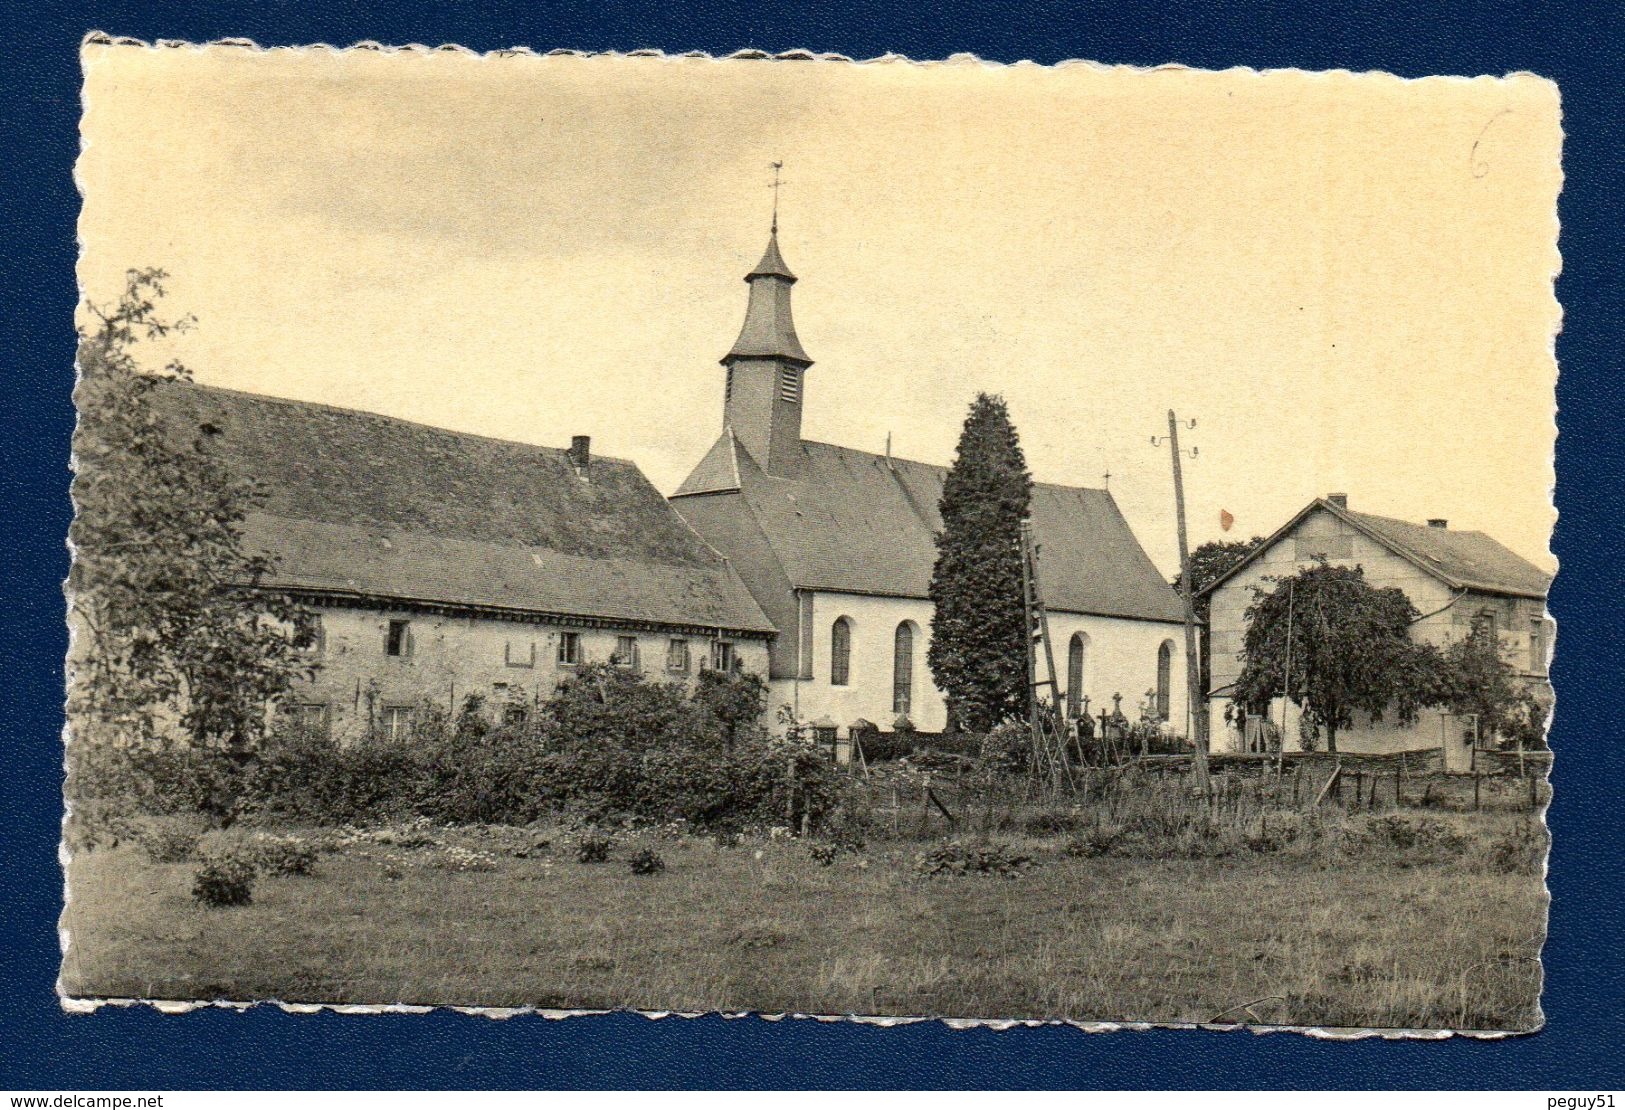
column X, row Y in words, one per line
column 941, row 466
column 346, row 410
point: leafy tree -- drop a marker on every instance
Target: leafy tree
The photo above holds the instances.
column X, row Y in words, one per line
column 1351, row 651
column 978, row 647
column 174, row 625
column 1210, row 562
column 736, row 700
column 1482, row 682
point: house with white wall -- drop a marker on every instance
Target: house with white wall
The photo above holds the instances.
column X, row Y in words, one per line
column 1457, row 580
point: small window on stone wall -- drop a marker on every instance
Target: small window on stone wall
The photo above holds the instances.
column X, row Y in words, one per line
column 398, row 640
column 626, row 652
column 569, row 649
column 677, row 656
column 397, row 722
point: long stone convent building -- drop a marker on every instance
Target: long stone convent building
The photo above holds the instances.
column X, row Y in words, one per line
column 837, row 546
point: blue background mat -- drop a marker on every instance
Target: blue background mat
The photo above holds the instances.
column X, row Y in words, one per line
column 1582, row 1046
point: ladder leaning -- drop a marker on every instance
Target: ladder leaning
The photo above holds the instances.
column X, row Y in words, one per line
column 1052, row 765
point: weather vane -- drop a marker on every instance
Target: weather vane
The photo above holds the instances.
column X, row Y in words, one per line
column 776, row 167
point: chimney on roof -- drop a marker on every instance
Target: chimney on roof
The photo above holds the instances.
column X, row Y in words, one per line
column 1438, row 522
column 581, row 455
column 1341, row 500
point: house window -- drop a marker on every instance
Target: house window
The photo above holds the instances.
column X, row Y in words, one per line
column 1075, row 654
column 677, row 656
column 312, row 718
column 569, row 649
column 512, row 658
column 626, row 652
column 513, row 714
column 722, row 656
column 790, row 385
column 902, row 671
column 1165, row 679
column 398, row 640
column 1537, row 645
column 840, row 652
column 312, row 622
column 1484, row 625
column 397, row 722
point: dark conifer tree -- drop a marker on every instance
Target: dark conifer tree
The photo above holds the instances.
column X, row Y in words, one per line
column 978, row 654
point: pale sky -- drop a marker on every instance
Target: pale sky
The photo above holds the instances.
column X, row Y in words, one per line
column 1346, row 280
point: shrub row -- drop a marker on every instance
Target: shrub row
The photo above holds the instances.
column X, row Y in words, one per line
column 609, row 747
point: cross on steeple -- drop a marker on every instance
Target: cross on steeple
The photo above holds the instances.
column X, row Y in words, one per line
column 776, row 167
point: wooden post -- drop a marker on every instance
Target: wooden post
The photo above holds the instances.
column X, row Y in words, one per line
column 790, row 793
column 1399, row 778
column 1193, row 683
column 1475, row 788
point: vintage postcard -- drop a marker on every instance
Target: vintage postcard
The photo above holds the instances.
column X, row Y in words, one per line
column 791, row 535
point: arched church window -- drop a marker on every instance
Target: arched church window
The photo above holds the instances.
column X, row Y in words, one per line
column 902, row 674
column 1076, row 653
column 1165, row 677
column 840, row 652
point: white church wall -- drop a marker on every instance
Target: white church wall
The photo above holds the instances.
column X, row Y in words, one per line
column 1121, row 658
column 868, row 692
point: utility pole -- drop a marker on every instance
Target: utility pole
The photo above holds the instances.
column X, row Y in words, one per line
column 1193, row 671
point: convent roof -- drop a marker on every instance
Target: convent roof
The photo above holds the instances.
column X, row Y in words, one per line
column 854, row 522
column 356, row 503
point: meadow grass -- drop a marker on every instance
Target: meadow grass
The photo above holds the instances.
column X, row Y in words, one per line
column 1257, row 938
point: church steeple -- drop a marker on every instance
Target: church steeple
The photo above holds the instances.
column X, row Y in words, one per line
column 769, row 330
column 767, row 367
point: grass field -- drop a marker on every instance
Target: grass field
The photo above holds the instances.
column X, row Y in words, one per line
column 1260, row 938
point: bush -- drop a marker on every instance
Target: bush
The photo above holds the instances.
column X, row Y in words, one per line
column 822, row 853
column 284, row 855
column 1521, row 850
column 225, row 880
column 954, row 857
column 170, row 841
column 646, row 862
column 591, row 848
column 1274, row 832
column 1092, row 843
column 1404, row 841
column 1052, row 822
column 100, row 823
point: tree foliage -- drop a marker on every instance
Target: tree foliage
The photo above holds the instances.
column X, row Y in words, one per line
column 1482, row 682
column 1210, row 562
column 173, row 625
column 1350, row 651
column 978, row 649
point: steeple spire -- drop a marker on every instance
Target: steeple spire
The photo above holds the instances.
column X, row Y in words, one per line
column 767, row 366
column 769, row 330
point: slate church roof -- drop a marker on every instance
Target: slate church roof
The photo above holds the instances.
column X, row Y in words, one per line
column 854, row 522
column 368, row 506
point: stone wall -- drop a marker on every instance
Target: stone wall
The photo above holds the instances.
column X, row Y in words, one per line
column 513, row 664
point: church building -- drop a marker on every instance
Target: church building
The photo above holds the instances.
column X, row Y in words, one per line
column 837, row 546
